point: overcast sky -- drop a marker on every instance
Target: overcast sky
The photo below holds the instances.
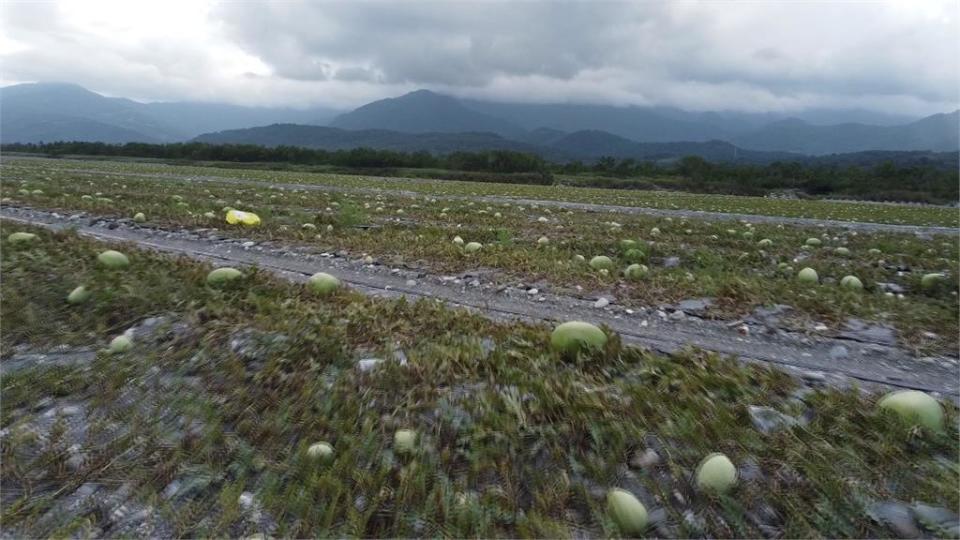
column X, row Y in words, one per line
column 757, row 56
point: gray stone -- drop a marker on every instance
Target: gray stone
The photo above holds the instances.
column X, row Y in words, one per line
column 896, row 516
column 768, row 420
column 66, row 358
column 645, row 459
column 859, row 330
column 255, row 346
column 693, row 522
column 368, row 364
column 696, row 306
column 769, row 317
column 839, row 352
column 671, row 262
column 601, row 303
column 76, row 504
column 750, row 471
column 890, row 287
column 938, row 520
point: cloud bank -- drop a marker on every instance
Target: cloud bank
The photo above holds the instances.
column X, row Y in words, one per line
column 900, row 57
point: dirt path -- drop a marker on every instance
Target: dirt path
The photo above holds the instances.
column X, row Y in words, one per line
column 585, row 207
column 815, row 358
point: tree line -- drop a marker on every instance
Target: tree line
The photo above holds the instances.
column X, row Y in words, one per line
column 499, row 161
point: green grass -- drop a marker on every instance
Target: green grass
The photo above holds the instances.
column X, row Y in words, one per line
column 515, row 441
column 713, row 261
column 671, row 200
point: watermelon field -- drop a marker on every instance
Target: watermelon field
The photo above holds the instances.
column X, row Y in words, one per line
column 197, row 351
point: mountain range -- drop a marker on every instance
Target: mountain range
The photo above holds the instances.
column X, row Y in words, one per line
column 61, row 111
column 424, row 120
column 581, row 145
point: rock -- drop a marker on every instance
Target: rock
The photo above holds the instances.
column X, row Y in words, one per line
column 368, row 364
column 696, row 306
column 187, row 487
column 858, row 330
column 645, row 459
column 671, row 262
column 246, row 500
column 255, row 346
column 750, row 471
column 533, row 292
column 411, row 283
column 839, row 352
column 693, row 522
column 77, row 458
column 678, row 316
column 134, row 520
column 890, row 287
column 769, row 317
column 769, row 420
column 814, row 376
column 896, row 516
column 940, row 521
column 69, row 507
column 601, row 303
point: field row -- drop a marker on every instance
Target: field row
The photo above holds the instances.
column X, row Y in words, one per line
column 739, row 265
column 667, row 200
column 258, row 406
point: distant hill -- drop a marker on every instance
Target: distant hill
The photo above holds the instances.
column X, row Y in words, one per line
column 63, row 111
column 198, row 118
column 637, row 123
column 594, row 144
column 424, row 112
column 53, row 111
column 817, row 132
column 583, row 145
column 937, row 133
column 60, row 111
column 330, row 138
column 59, row 127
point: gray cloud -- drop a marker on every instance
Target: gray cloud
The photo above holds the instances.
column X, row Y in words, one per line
column 901, row 57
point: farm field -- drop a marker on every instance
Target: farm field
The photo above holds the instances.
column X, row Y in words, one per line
column 738, row 266
column 850, row 211
column 437, row 422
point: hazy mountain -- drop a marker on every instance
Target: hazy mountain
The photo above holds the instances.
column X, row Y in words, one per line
column 544, row 136
column 592, row 144
column 34, row 112
column 196, row 118
column 43, row 127
column 424, row 112
column 59, row 111
column 935, row 133
column 583, row 145
column 330, row 138
column 637, row 123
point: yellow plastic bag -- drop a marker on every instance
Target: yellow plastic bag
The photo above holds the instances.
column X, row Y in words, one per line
column 246, row 218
